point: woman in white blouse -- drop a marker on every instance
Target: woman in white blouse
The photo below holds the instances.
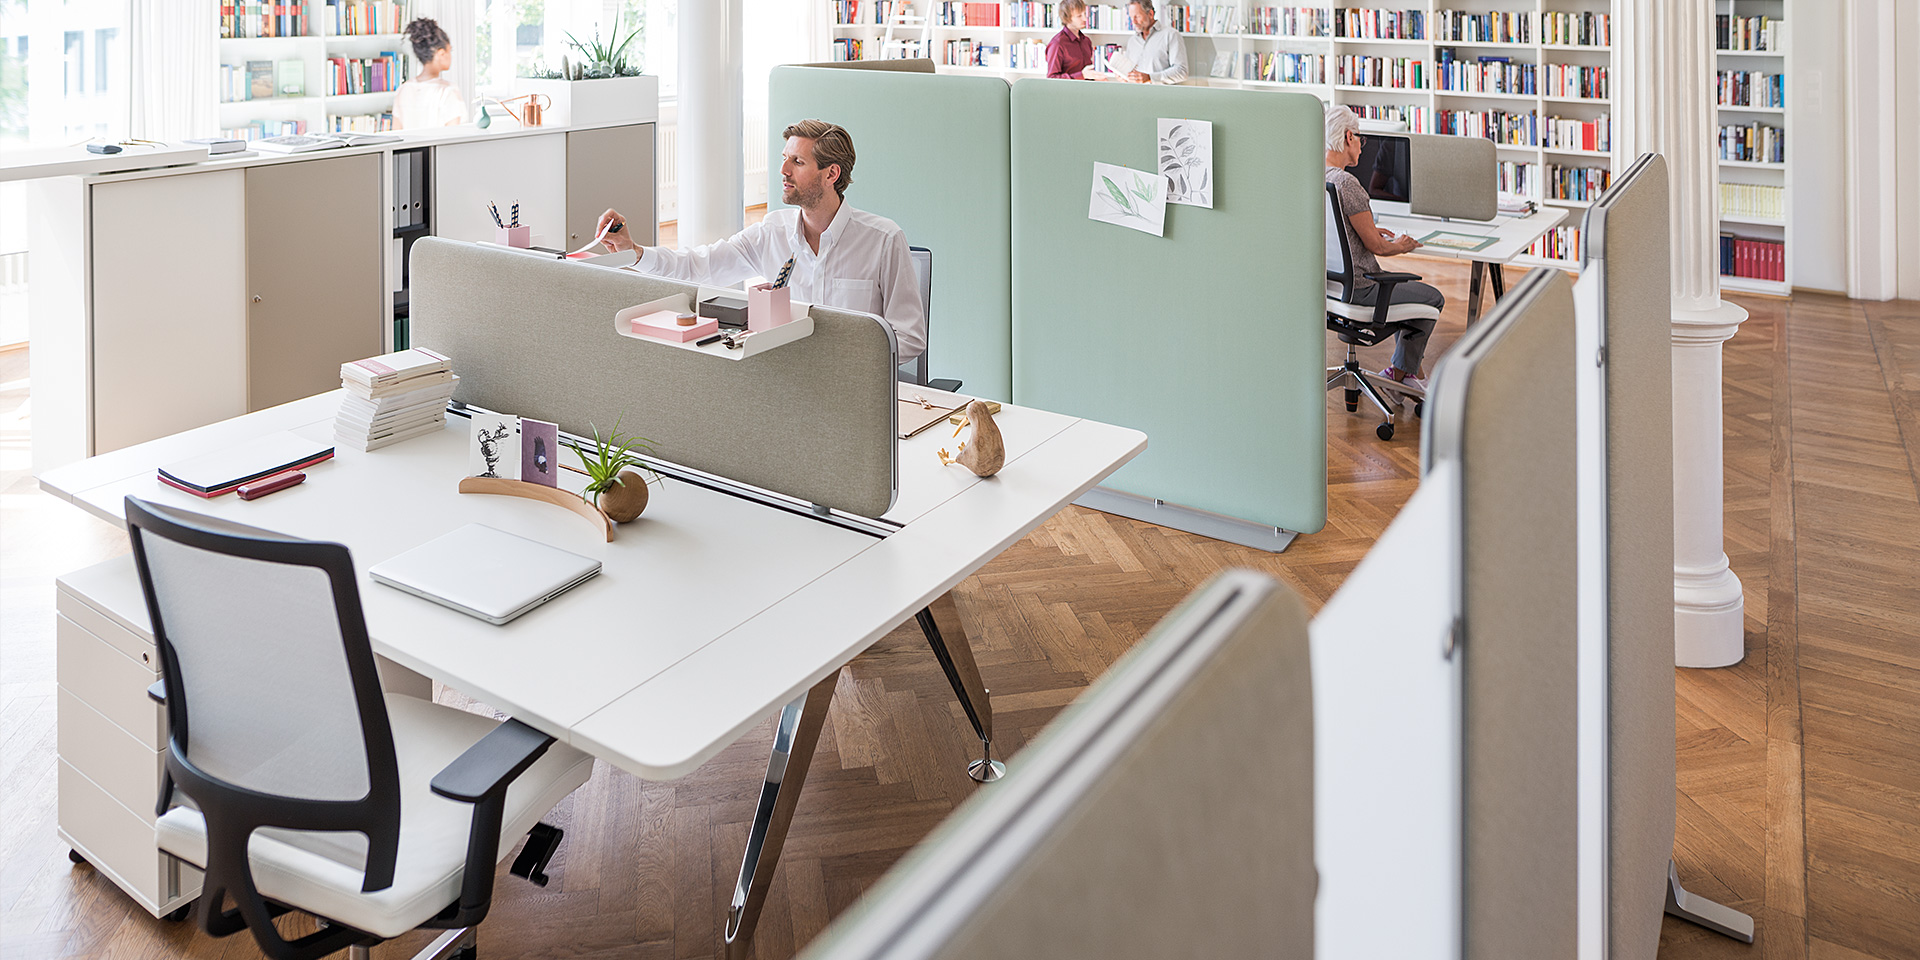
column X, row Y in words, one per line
column 430, row 99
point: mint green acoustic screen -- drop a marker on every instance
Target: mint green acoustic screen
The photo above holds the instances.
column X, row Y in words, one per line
column 931, row 154
column 1210, row 339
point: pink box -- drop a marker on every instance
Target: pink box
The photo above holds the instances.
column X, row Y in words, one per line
column 513, row 236
column 662, row 325
column 768, row 306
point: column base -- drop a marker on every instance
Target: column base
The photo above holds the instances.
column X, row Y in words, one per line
column 1709, row 618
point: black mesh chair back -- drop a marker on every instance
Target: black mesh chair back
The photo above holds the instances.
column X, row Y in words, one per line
column 276, row 715
column 915, row 371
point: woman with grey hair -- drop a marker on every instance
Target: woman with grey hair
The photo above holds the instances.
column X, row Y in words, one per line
column 1368, row 242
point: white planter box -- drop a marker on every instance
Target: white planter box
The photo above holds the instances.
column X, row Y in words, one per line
column 587, row 102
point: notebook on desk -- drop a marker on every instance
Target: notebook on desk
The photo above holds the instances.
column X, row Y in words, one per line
column 486, row 573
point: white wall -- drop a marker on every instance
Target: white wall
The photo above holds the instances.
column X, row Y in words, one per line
column 1816, row 144
column 1907, row 149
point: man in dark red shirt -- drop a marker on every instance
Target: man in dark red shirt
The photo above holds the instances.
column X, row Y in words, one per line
column 1070, row 52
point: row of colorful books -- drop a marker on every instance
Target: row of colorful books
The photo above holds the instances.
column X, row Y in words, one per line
column 1751, row 88
column 1753, row 259
column 348, row 75
column 242, row 20
column 261, row 79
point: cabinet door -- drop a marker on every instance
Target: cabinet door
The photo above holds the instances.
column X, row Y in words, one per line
column 317, row 237
column 527, row 170
column 169, row 337
column 610, row 167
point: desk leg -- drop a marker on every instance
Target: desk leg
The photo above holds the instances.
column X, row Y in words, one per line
column 794, row 738
column 1499, row 278
column 1475, row 275
column 947, row 635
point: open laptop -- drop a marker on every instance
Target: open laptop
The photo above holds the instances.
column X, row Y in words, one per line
column 484, row 572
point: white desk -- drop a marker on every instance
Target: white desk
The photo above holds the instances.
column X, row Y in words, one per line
column 1511, row 237
column 75, row 160
column 711, row 612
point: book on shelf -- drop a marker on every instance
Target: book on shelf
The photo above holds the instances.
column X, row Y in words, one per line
column 259, row 79
column 290, row 76
column 249, row 20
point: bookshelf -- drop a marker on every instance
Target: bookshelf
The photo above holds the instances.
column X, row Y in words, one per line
column 315, row 35
column 1547, row 108
column 1751, row 64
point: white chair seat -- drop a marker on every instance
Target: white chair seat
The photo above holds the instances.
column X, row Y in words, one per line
column 322, row 872
column 1395, row 312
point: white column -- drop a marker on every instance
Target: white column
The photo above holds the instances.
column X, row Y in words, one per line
column 1664, row 98
column 711, row 159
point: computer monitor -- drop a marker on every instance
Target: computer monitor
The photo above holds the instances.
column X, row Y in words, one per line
column 1384, row 169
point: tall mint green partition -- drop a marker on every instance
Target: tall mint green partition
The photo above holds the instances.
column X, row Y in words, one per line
column 931, row 154
column 1210, row 338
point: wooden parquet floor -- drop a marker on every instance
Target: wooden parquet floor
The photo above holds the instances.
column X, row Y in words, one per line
column 1799, row 790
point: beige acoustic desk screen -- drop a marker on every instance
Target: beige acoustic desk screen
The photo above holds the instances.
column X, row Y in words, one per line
column 1502, row 408
column 1452, row 177
column 1167, row 813
column 812, row 420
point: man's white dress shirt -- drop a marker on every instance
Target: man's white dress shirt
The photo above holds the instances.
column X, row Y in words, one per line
column 863, row 264
column 1162, row 54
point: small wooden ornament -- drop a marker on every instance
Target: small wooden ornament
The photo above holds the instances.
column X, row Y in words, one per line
column 985, row 453
column 626, row 499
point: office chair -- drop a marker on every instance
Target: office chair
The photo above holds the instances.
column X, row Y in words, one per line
column 1358, row 325
column 915, row 371
column 294, row 780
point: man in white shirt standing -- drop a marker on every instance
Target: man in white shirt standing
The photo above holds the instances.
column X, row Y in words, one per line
column 841, row 257
column 1158, row 52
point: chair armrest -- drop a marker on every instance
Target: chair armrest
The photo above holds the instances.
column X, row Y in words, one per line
column 489, row 766
column 1392, row 277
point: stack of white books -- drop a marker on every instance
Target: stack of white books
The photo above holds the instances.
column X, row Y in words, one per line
column 393, row 398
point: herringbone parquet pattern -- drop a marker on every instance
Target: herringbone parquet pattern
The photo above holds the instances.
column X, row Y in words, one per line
column 1819, row 528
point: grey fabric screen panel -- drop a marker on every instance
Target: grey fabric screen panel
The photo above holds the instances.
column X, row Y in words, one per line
column 1211, row 339
column 1628, row 239
column 1167, row 813
column 1453, row 177
column 1503, row 407
column 931, row 155
column 813, row 419
column 896, row 66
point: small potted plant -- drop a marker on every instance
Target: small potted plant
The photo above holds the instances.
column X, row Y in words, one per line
column 620, row 493
column 598, row 84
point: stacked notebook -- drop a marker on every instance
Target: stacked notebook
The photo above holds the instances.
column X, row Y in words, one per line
column 393, row 398
column 225, row 470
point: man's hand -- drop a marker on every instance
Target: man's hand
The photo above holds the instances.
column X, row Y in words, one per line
column 615, row 240
column 1135, row 76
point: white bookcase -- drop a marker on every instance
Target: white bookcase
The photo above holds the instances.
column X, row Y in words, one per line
column 1323, row 34
column 1755, row 194
column 315, row 108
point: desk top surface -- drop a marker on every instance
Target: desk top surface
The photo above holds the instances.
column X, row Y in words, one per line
column 1511, row 235
column 710, row 612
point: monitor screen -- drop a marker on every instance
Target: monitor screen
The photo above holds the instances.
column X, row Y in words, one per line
column 1382, row 168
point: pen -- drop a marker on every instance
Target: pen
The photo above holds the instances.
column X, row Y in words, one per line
column 704, row 342
column 516, row 214
column 495, row 211
column 785, row 272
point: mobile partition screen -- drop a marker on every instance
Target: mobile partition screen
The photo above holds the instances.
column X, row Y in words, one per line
column 931, row 155
column 1211, row 337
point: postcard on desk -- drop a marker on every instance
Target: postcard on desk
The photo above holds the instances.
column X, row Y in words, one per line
column 539, row 452
column 1464, row 242
column 495, row 451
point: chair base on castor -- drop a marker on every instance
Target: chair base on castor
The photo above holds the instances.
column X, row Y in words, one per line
column 1358, row 381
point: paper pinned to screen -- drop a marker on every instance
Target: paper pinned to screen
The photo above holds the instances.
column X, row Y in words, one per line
column 1186, row 160
column 1125, row 197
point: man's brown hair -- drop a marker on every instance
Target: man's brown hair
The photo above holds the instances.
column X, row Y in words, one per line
column 831, row 144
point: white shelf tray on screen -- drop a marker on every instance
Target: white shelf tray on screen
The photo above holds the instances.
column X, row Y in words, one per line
column 800, row 327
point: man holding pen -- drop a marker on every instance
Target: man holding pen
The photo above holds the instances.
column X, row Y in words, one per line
column 834, row 255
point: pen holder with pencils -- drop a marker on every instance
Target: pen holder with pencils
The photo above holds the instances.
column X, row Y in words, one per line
column 768, row 306
column 513, row 236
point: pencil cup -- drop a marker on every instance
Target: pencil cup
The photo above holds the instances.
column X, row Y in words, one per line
column 513, row 236
column 768, row 306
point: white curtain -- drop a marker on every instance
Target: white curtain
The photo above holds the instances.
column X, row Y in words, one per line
column 461, row 20
column 175, row 69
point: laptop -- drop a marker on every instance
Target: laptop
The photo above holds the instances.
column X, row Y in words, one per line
column 486, row 573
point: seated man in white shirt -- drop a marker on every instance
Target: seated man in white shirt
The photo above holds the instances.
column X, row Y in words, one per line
column 1158, row 52
column 841, row 257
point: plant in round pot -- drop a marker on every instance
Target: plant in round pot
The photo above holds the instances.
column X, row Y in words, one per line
column 620, row 493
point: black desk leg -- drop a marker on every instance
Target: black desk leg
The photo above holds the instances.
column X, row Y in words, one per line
column 794, row 738
column 1475, row 275
column 1499, row 277
column 947, row 635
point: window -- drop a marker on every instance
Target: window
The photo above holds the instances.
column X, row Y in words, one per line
column 105, row 40
column 76, row 62
column 528, row 37
column 81, row 92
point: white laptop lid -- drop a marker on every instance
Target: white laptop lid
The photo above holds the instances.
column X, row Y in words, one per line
column 484, row 572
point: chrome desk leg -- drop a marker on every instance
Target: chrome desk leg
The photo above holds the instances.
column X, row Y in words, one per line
column 1499, row 278
column 1475, row 276
column 947, row 635
column 794, row 738
column 1694, row 908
